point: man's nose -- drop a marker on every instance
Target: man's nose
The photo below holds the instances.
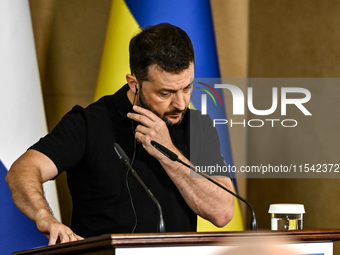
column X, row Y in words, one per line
column 179, row 101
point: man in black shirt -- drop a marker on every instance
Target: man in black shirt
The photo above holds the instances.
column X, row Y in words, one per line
column 152, row 106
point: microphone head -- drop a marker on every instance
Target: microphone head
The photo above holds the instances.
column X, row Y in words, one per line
column 165, row 151
column 121, row 154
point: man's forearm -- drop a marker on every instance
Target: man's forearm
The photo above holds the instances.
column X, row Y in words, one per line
column 204, row 198
column 27, row 190
column 25, row 179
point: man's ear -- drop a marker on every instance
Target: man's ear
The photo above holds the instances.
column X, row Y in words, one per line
column 132, row 82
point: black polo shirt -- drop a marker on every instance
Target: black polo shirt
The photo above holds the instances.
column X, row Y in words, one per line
column 82, row 145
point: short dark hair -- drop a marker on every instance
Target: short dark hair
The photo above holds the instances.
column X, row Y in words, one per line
column 165, row 45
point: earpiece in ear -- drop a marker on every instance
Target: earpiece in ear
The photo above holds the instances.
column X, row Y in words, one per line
column 136, row 89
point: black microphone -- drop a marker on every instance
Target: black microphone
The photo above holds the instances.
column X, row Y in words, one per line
column 124, row 158
column 165, row 151
column 174, row 157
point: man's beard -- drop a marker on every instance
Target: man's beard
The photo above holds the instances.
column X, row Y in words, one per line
column 144, row 104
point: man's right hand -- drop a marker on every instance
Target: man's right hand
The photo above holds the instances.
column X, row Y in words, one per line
column 55, row 231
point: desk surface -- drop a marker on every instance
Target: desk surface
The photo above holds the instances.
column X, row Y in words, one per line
column 111, row 241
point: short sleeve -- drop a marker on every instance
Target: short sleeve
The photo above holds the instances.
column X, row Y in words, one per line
column 65, row 145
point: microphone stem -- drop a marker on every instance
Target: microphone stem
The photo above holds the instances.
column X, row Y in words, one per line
column 161, row 226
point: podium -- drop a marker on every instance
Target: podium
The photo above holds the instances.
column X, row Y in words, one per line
column 310, row 241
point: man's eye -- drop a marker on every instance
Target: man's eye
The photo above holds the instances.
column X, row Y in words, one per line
column 165, row 94
column 188, row 88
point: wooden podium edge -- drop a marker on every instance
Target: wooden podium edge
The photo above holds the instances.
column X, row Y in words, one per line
column 166, row 239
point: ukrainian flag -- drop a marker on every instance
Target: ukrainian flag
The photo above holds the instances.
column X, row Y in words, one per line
column 194, row 17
